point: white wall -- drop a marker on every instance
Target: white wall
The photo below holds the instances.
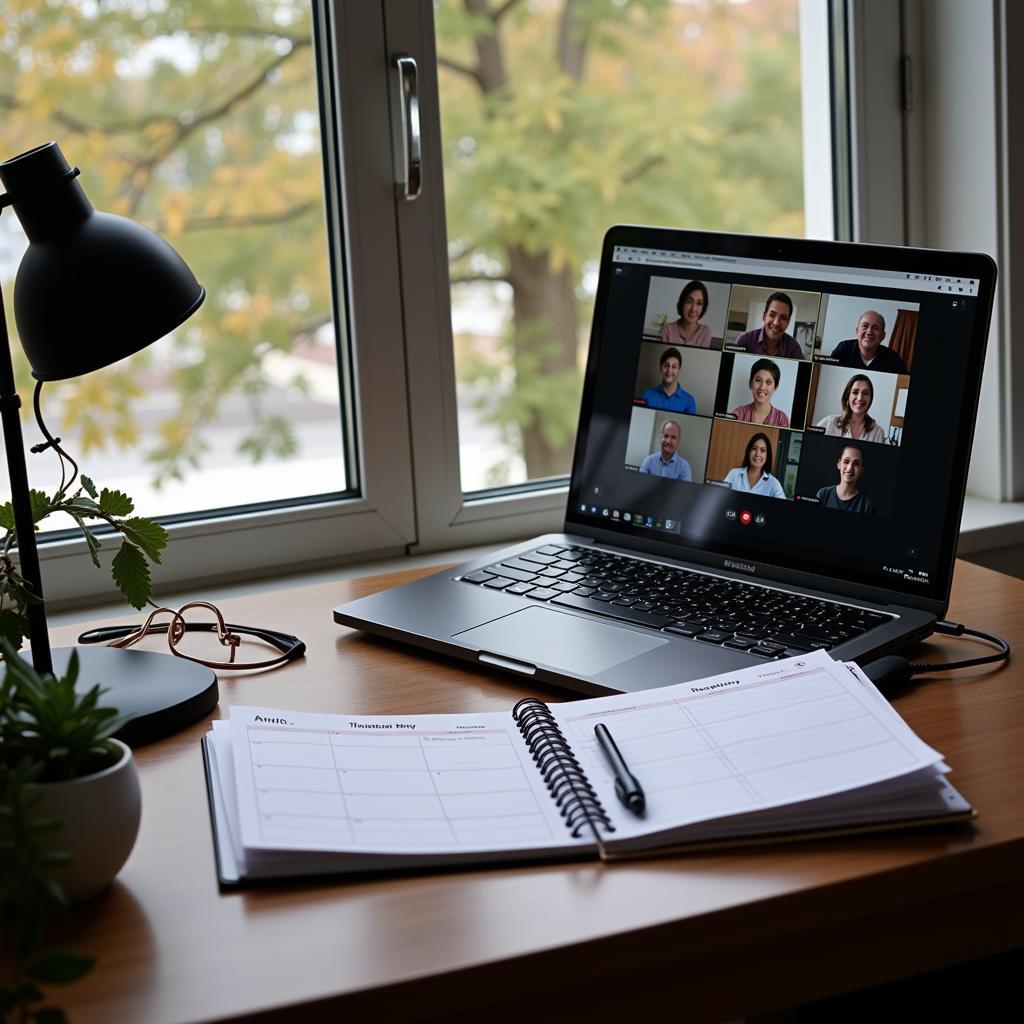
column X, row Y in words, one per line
column 964, row 191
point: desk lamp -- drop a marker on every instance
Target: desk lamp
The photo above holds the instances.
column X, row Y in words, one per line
column 92, row 288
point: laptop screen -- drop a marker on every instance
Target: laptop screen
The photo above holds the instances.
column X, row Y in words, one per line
column 805, row 405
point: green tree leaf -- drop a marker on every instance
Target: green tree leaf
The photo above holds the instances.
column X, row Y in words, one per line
column 144, row 533
column 59, row 967
column 131, row 574
column 90, row 487
column 116, row 503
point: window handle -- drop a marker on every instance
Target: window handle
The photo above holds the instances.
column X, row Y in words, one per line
column 405, row 135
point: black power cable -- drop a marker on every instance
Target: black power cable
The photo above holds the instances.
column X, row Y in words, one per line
column 892, row 672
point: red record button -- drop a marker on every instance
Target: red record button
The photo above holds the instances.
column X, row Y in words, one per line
column 745, row 517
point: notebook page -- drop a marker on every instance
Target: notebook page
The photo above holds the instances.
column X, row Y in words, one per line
column 768, row 736
column 406, row 785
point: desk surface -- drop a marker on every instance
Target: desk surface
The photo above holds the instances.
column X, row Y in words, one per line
column 731, row 933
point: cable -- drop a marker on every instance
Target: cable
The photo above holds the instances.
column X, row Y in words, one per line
column 956, row 629
column 893, row 672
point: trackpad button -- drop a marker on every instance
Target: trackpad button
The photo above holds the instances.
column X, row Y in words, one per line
column 567, row 642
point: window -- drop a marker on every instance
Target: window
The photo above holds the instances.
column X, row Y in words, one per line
column 207, row 129
column 548, row 121
column 216, row 125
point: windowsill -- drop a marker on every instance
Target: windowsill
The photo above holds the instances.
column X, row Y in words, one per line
column 987, row 524
column 119, row 611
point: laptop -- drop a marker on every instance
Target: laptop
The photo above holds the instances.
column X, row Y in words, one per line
column 771, row 458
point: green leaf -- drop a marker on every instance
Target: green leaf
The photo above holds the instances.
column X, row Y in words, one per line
column 90, row 487
column 41, row 505
column 115, row 503
column 131, row 574
column 90, row 539
column 86, row 506
column 13, row 626
column 59, row 967
column 17, row 588
column 146, row 534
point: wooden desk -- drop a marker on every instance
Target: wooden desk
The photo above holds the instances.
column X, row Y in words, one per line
column 720, row 935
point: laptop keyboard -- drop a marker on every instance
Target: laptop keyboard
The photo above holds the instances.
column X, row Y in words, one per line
column 729, row 613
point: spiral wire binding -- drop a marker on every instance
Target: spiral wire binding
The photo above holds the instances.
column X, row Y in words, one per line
column 564, row 776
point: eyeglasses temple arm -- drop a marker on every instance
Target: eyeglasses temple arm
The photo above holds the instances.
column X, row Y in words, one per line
column 104, row 634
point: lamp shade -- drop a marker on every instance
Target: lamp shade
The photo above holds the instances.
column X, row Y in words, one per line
column 92, row 287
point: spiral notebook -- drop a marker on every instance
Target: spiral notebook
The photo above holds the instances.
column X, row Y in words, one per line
column 793, row 748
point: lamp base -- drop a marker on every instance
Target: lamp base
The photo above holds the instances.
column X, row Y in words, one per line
column 165, row 694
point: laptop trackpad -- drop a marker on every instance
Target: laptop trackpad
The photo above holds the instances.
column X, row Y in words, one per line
column 561, row 641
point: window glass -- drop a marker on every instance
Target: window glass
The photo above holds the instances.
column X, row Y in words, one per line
column 200, row 120
column 561, row 118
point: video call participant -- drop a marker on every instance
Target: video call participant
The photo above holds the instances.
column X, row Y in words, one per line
column 668, row 463
column 854, row 421
column 866, row 351
column 845, row 496
column 764, row 379
column 688, row 330
column 668, row 394
column 755, row 475
column 771, row 339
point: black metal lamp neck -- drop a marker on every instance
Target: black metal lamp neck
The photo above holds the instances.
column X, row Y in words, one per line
column 28, row 553
column 42, row 188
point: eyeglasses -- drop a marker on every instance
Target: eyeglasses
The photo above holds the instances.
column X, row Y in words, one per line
column 185, row 638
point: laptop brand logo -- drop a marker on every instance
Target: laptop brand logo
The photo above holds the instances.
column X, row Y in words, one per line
column 742, row 566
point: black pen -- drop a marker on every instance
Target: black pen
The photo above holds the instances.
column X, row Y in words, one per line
column 627, row 788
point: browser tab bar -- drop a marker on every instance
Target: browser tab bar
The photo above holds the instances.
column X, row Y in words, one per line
column 865, row 277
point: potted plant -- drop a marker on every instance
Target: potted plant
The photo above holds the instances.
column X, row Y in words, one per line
column 69, row 814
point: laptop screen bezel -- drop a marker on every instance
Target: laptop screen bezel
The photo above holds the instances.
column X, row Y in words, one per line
column 865, row 256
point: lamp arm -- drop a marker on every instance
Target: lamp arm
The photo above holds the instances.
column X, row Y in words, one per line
column 21, row 502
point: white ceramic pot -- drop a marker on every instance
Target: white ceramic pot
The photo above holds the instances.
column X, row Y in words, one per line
column 100, row 815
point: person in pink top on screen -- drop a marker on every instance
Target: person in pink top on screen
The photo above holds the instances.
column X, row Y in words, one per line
column 688, row 330
column 764, row 379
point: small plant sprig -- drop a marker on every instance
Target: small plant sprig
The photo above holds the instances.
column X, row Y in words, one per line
column 142, row 540
column 47, row 733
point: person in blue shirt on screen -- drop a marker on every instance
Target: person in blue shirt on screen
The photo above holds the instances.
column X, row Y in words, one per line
column 668, row 394
column 755, row 475
column 668, row 462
